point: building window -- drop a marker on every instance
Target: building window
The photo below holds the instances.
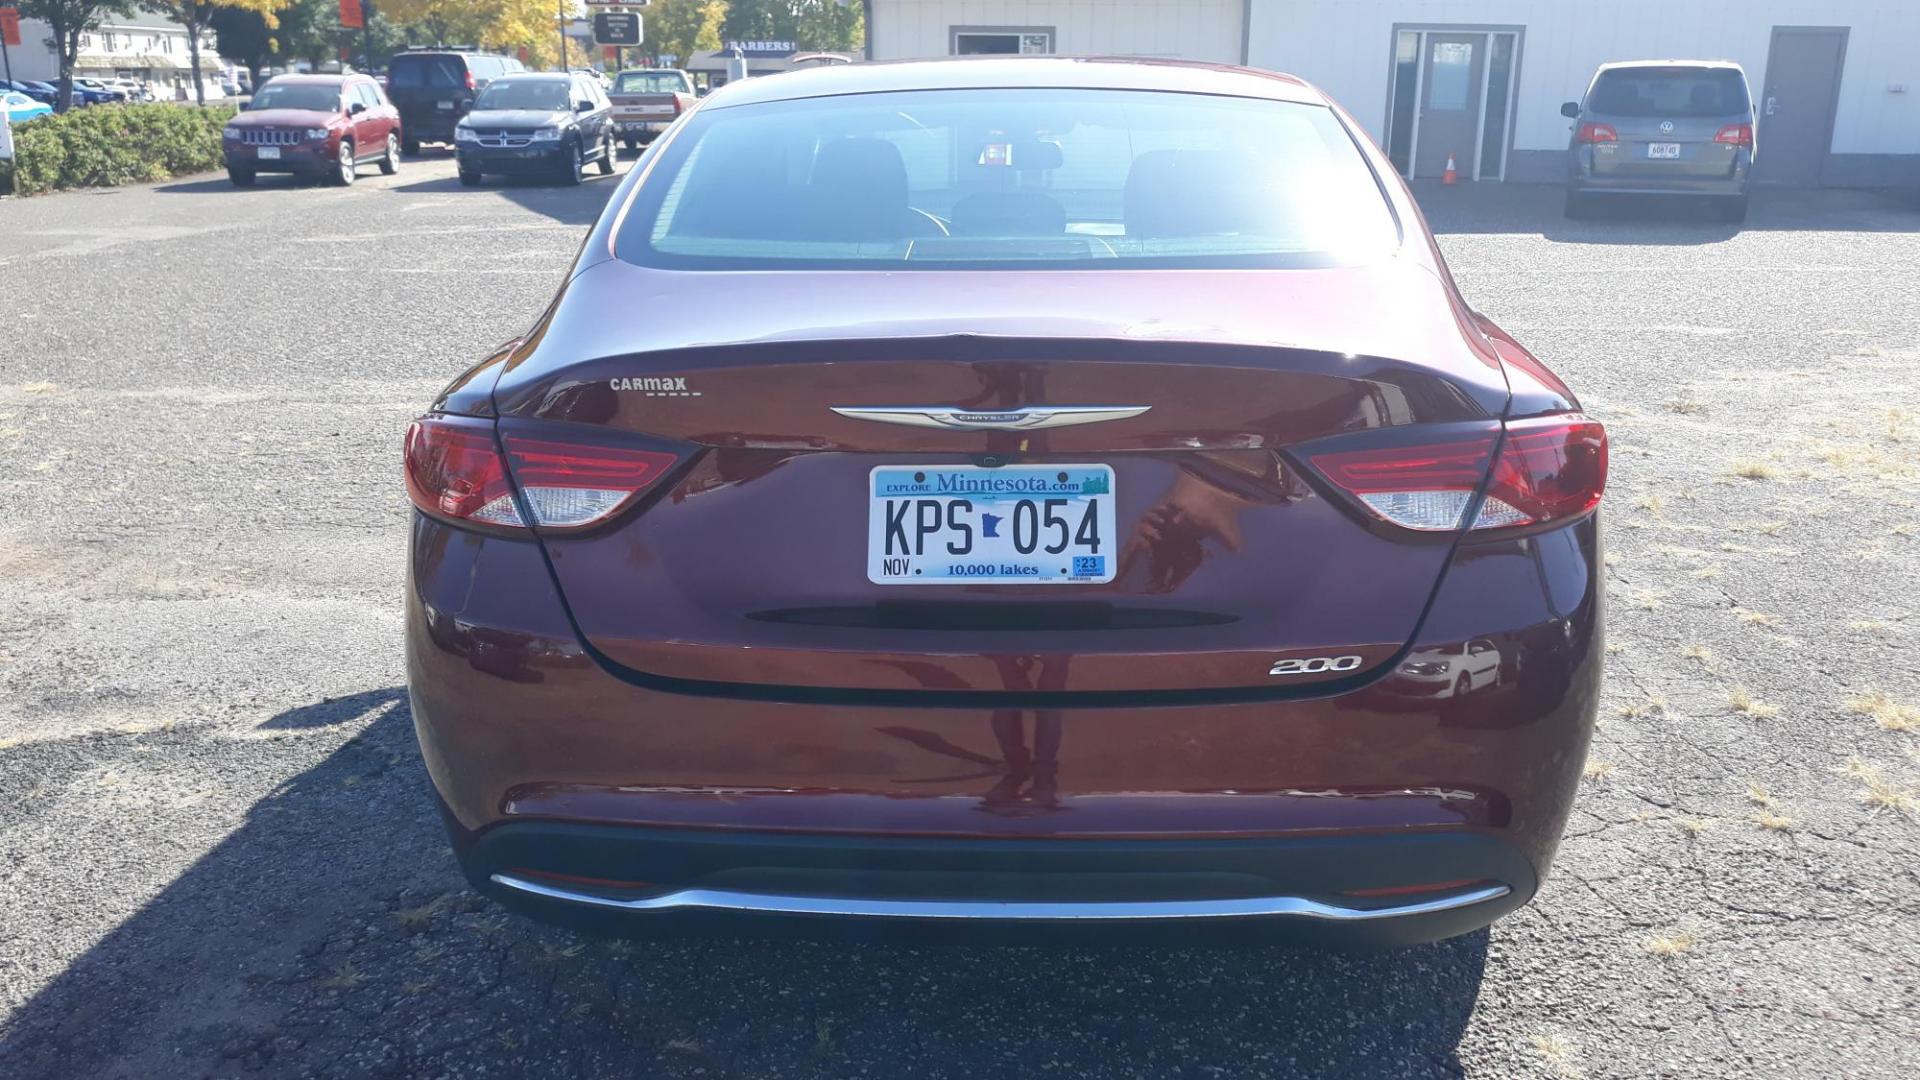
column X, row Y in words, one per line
column 109, row 42
column 1001, row 40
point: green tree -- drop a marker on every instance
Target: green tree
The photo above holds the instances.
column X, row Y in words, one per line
column 196, row 16
column 829, row 24
column 684, row 27
column 68, row 19
column 244, row 36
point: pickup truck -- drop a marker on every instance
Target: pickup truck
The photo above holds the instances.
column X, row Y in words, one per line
column 646, row 100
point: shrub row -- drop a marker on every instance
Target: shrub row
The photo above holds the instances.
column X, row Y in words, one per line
column 109, row 145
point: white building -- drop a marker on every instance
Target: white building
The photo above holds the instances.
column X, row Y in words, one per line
column 1837, row 81
column 140, row 46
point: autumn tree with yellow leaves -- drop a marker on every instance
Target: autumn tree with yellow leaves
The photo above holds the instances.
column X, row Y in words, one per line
column 492, row 24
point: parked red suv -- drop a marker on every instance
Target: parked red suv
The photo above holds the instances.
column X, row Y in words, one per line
column 316, row 125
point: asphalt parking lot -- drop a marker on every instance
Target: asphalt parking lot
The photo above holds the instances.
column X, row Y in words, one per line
column 218, row 855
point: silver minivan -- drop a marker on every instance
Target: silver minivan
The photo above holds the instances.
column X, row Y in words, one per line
column 1662, row 127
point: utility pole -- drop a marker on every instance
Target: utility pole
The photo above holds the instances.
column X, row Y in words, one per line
column 562, row 9
column 366, row 35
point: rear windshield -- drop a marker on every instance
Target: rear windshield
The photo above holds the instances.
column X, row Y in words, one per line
column 318, row 97
column 649, row 82
column 1675, row 91
column 435, row 71
column 951, row 179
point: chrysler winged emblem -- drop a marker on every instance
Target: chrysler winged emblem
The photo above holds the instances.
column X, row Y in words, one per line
column 1028, row 418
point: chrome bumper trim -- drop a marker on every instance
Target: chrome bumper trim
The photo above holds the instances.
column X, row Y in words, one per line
column 771, row 904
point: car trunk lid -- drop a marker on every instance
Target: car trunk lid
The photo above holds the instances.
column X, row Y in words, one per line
column 749, row 571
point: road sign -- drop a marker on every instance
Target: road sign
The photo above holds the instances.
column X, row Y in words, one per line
column 616, row 28
column 10, row 25
column 350, row 14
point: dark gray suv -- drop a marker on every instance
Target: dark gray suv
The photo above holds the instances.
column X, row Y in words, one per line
column 1662, row 127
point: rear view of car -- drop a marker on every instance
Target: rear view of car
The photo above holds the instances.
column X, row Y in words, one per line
column 985, row 492
column 434, row 89
column 646, row 101
column 1666, row 127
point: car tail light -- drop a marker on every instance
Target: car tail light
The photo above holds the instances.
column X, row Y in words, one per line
column 1736, row 134
column 1591, row 132
column 469, row 80
column 457, row 471
column 1548, row 469
column 677, row 105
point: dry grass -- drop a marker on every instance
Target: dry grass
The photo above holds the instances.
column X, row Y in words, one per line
column 344, row 977
column 414, row 918
column 1707, row 573
column 1648, row 599
column 1687, row 406
column 1703, row 656
column 1758, row 795
column 1677, row 941
column 1887, row 711
column 1746, row 704
column 1755, row 618
column 1880, row 791
column 1870, row 626
column 1598, row 770
column 1773, row 822
column 1755, row 469
column 1638, row 710
column 1558, row 1054
column 1652, row 504
column 1693, row 826
column 39, row 387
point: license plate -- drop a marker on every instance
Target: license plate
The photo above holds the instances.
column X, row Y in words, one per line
column 1014, row 525
column 445, row 104
column 1663, row 149
column 269, row 153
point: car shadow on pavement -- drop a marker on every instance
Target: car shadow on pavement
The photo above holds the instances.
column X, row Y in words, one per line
column 330, row 934
column 565, row 203
column 1665, row 221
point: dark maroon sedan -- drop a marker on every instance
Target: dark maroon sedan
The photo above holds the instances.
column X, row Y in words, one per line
column 1000, row 492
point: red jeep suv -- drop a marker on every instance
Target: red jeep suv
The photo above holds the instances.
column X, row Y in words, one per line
column 315, row 125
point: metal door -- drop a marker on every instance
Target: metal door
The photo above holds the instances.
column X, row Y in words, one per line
column 1796, row 109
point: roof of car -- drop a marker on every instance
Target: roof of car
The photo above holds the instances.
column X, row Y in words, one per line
column 315, row 80
column 963, row 73
column 538, row 76
column 1612, row 64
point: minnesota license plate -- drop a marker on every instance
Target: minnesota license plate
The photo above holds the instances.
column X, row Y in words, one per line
column 1663, row 149
column 1014, row 525
column 269, row 153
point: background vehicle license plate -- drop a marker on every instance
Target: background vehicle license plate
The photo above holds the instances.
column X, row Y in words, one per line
column 967, row 525
column 269, row 153
column 1663, row 149
column 445, row 104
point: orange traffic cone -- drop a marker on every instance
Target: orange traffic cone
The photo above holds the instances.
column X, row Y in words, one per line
column 1450, row 176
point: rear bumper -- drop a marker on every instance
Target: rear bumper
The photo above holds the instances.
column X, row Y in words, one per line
column 1261, row 811
column 1638, row 180
column 721, row 881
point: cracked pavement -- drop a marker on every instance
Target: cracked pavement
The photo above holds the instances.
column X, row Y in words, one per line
column 218, row 855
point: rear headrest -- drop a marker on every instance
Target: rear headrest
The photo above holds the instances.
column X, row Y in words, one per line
column 873, row 167
column 1195, row 193
column 858, row 191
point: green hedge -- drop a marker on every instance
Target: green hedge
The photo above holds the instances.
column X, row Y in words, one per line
column 108, row 145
